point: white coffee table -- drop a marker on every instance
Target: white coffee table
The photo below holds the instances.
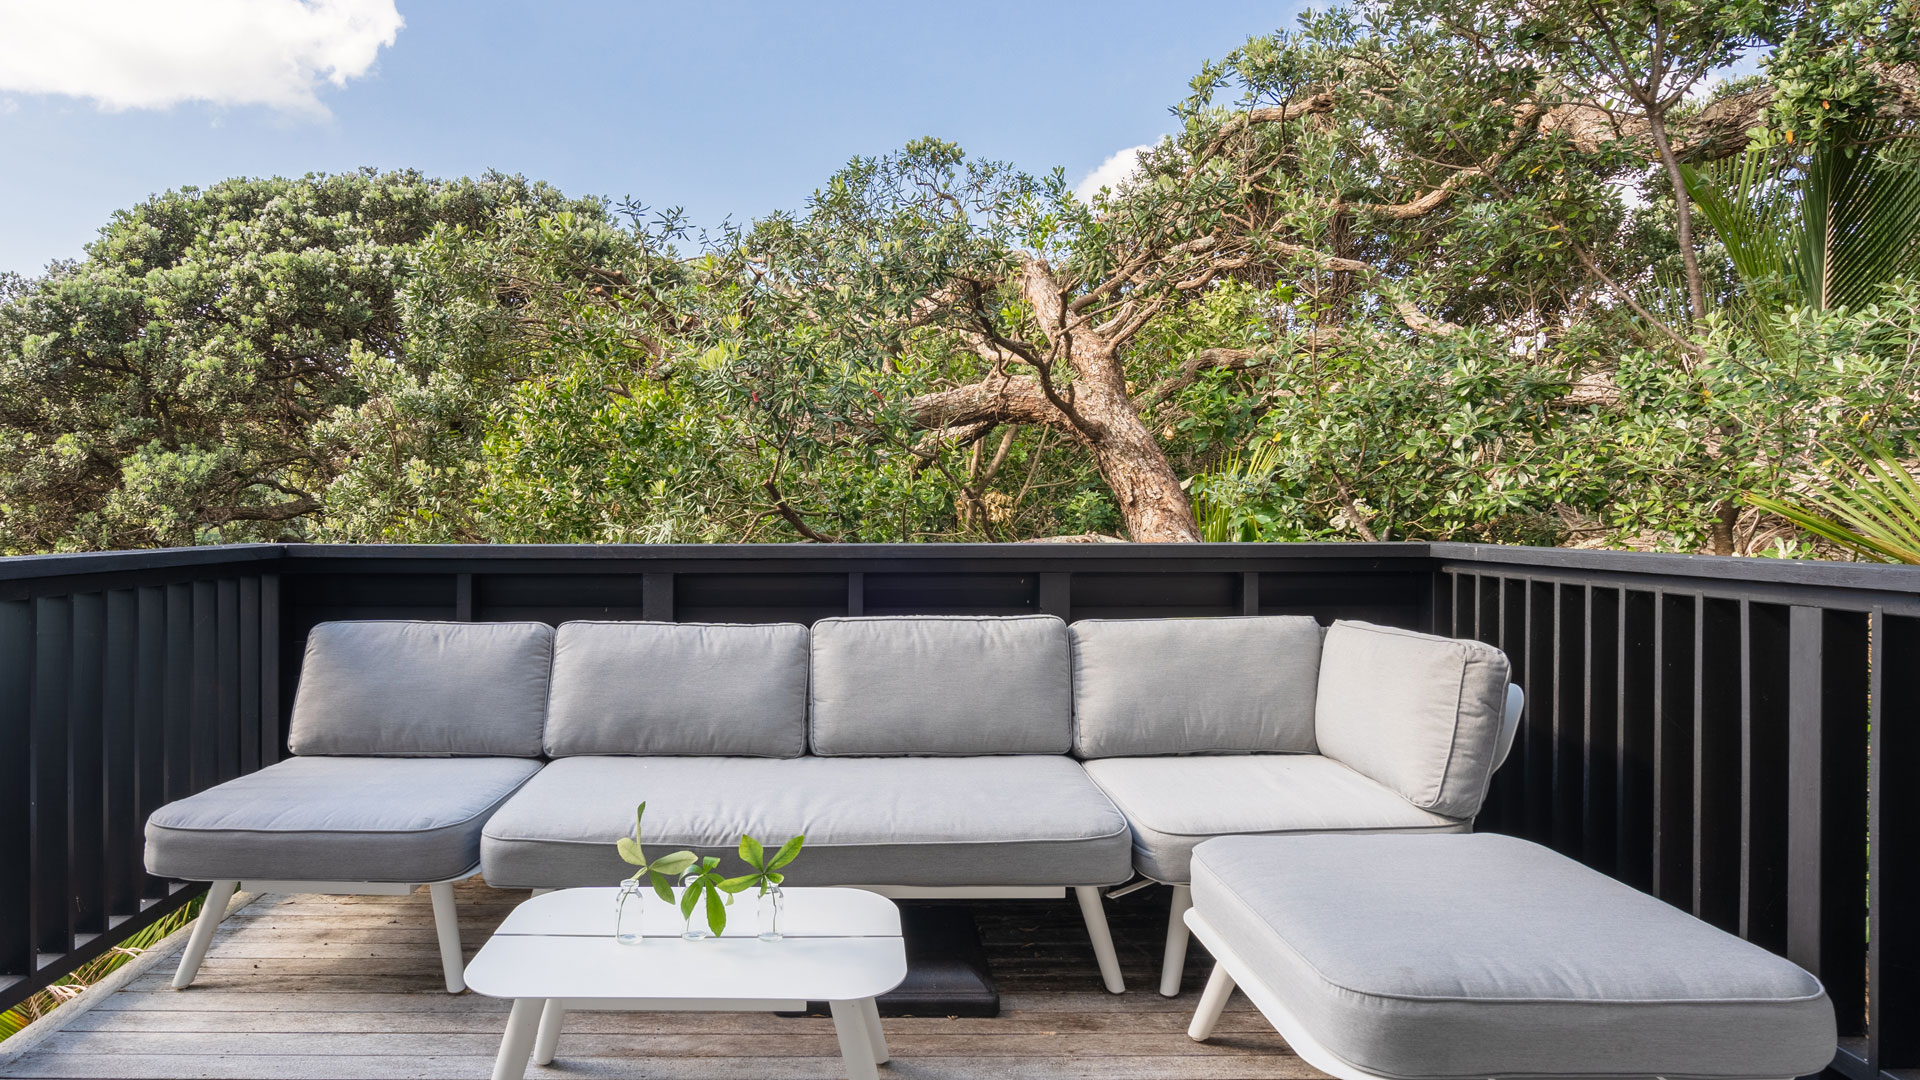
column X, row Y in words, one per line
column 556, row 952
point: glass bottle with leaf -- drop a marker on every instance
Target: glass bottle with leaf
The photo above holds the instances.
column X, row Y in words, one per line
column 770, row 902
column 628, row 907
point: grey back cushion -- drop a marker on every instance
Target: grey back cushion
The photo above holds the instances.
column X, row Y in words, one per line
column 1194, row 686
column 422, row 689
column 1415, row 712
column 941, row 686
column 679, row 688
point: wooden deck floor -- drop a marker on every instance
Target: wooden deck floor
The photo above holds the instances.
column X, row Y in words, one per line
column 316, row 988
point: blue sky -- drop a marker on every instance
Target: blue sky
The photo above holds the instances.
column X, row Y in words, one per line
column 726, row 110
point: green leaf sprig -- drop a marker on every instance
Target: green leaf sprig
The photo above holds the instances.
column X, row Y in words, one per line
column 660, row 871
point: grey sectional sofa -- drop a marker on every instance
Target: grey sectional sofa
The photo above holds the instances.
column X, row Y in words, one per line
column 921, row 756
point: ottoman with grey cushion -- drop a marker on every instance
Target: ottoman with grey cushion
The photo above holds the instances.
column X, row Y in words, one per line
column 406, row 738
column 921, row 756
column 1455, row 957
column 1198, row 728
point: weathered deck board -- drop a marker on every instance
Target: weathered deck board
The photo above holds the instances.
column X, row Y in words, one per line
column 317, row 988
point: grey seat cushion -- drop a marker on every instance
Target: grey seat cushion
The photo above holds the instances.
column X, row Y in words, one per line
column 336, row 819
column 1175, row 803
column 1475, row 956
column 678, row 688
column 1419, row 713
column 1033, row 820
column 939, row 685
column 1194, row 686
column 422, row 688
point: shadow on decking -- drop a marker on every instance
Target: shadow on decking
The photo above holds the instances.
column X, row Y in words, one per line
column 314, row 988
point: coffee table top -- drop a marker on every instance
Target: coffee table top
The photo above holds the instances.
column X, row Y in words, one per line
column 839, row 945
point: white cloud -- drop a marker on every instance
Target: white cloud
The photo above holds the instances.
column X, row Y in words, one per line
column 150, row 54
column 1111, row 172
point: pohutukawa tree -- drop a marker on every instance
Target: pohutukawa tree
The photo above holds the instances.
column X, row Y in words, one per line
column 1402, row 170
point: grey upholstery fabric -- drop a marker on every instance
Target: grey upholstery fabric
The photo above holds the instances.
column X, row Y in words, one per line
column 941, row 686
column 1174, row 803
column 1033, row 820
column 678, row 688
column 422, row 688
column 1419, row 713
column 336, row 819
column 1194, row 686
column 1481, row 955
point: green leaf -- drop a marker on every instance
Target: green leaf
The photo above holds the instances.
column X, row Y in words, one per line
column 674, row 864
column 752, row 853
column 689, row 897
column 662, row 886
column 716, row 912
column 787, row 853
column 630, row 851
column 739, row 884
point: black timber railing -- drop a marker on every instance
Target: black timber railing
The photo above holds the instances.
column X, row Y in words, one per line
column 1727, row 734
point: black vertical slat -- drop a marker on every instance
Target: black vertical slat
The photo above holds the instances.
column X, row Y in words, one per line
column 463, row 597
column 856, row 593
column 1718, row 689
column 1489, row 608
column 177, row 693
column 1893, row 824
column 204, row 715
column 86, row 768
column 1673, row 723
column 1509, row 631
column 227, row 677
column 1600, row 705
column 247, row 623
column 1638, row 737
column 272, row 739
column 1461, row 616
column 150, row 714
column 656, row 597
column 1827, row 807
column 1535, row 745
column 1056, row 595
column 51, row 914
column 1250, row 591
column 1569, row 716
column 16, row 807
column 1763, row 741
column 124, row 824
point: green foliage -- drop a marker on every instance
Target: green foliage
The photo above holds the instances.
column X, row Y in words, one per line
column 16, row 1019
column 766, row 871
column 702, row 883
column 1873, row 509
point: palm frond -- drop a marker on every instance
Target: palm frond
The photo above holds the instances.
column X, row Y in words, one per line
column 1872, row 509
column 1219, row 497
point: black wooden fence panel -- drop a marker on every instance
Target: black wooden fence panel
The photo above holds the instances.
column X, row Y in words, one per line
column 1730, row 735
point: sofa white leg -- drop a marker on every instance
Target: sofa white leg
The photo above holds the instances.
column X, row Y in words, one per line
column 219, row 893
column 447, row 922
column 1092, row 910
column 547, row 1042
column 1174, row 964
column 1213, row 1001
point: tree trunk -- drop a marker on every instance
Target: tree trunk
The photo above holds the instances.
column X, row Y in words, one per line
column 1152, row 503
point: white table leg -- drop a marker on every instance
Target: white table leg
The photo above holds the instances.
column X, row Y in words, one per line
column 549, row 1038
column 856, row 1043
column 514, row 1045
column 870, row 1011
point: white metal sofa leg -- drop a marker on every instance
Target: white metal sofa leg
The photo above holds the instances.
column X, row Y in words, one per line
column 1173, row 966
column 446, row 922
column 1096, row 916
column 1213, row 1001
column 219, row 894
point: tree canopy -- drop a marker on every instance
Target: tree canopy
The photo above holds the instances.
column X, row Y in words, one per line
column 1408, row 270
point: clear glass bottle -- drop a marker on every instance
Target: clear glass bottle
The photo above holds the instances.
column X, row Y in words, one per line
column 767, row 911
column 628, row 909
column 689, row 930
